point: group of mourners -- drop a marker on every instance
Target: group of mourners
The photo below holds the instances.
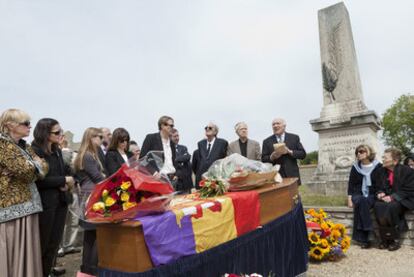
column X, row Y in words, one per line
column 387, row 189
column 37, row 182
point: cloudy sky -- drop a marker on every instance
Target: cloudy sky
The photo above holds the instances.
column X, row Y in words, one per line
column 126, row 63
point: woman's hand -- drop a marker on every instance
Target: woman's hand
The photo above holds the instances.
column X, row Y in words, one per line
column 70, row 182
column 350, row 204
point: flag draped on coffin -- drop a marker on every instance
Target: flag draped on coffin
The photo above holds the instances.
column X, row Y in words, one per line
column 195, row 225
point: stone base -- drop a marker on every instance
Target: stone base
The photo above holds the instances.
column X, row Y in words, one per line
column 338, row 138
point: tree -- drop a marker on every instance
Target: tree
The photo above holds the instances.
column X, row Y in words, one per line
column 311, row 158
column 398, row 123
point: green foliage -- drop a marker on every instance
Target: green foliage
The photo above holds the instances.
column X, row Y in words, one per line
column 398, row 123
column 311, row 158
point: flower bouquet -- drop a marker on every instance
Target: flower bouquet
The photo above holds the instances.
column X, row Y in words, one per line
column 328, row 240
column 242, row 173
column 212, row 187
column 126, row 193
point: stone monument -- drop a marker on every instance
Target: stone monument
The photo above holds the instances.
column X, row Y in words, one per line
column 344, row 122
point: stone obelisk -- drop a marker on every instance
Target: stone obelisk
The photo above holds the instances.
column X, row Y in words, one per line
column 344, row 122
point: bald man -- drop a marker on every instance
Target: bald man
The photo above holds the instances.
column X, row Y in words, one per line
column 286, row 155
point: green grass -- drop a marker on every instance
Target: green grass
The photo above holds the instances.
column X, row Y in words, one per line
column 311, row 199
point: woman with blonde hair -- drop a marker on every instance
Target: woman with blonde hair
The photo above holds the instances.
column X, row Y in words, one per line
column 20, row 252
column 361, row 192
column 89, row 171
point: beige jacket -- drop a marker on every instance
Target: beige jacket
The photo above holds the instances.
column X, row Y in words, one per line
column 253, row 149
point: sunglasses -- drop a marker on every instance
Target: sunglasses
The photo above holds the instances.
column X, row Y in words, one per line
column 171, row 125
column 361, row 151
column 57, row 133
column 25, row 123
column 208, row 128
column 100, row 136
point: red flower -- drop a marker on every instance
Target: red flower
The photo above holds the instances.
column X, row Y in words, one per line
column 202, row 183
column 115, row 207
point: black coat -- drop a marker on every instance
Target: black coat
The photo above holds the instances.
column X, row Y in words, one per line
column 49, row 187
column 183, row 168
column 355, row 181
column 288, row 163
column 153, row 142
column 114, row 161
column 204, row 161
column 402, row 189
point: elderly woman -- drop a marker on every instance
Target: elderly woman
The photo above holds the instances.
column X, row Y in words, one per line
column 53, row 191
column 395, row 195
column 361, row 192
column 20, row 253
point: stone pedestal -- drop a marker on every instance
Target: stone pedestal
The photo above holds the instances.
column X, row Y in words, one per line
column 338, row 138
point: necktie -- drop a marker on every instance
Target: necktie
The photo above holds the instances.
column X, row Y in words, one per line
column 279, row 139
column 208, row 149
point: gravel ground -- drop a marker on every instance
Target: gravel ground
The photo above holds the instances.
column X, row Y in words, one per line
column 358, row 262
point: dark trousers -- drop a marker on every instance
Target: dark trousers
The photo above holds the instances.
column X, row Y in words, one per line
column 362, row 217
column 90, row 253
column 51, row 225
column 390, row 218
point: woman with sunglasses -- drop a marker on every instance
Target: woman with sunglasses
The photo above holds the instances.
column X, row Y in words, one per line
column 117, row 151
column 361, row 192
column 89, row 171
column 54, row 190
column 20, row 252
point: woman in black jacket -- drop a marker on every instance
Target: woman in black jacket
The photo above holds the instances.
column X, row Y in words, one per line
column 395, row 195
column 53, row 189
column 117, row 151
column 361, row 192
column 89, row 171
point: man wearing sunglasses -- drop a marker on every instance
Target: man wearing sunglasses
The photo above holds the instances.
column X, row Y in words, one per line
column 160, row 141
column 284, row 149
column 210, row 149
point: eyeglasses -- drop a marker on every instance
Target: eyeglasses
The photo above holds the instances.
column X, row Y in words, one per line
column 100, row 136
column 25, row 123
column 171, row 125
column 57, row 133
column 361, row 151
column 208, row 128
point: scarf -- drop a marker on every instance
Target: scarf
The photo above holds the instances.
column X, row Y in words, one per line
column 366, row 176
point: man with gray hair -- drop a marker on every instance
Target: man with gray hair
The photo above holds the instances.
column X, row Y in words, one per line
column 210, row 149
column 284, row 149
column 244, row 146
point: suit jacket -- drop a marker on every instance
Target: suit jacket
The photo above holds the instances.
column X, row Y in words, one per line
column 183, row 168
column 218, row 151
column 288, row 163
column 402, row 189
column 153, row 142
column 253, row 149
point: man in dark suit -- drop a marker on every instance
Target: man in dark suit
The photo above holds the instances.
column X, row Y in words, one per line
column 183, row 172
column 286, row 155
column 160, row 141
column 209, row 150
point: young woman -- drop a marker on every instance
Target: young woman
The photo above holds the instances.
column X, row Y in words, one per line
column 53, row 190
column 361, row 192
column 89, row 170
column 117, row 151
column 20, row 253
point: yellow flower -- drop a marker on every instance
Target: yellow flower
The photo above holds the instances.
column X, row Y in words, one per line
column 341, row 228
column 127, row 205
column 105, row 193
column 125, row 197
column 125, row 185
column 109, row 201
column 314, row 238
column 330, row 224
column 98, row 206
column 324, row 226
column 335, row 234
column 324, row 244
column 311, row 211
column 346, row 242
column 317, row 253
column 322, row 213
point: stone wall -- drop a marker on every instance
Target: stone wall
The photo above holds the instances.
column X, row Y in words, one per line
column 345, row 215
column 306, row 172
